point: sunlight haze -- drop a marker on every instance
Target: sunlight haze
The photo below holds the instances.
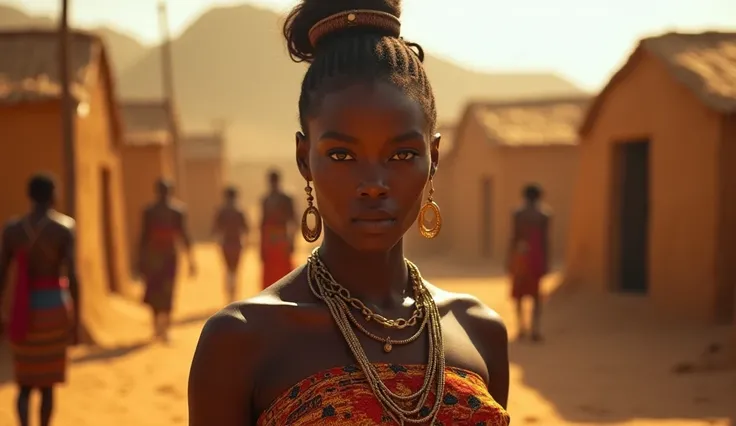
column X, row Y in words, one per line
column 582, row 40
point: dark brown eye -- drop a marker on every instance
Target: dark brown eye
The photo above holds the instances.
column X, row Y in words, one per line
column 404, row 156
column 341, row 156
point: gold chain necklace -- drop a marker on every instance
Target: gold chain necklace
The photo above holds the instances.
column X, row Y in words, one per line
column 336, row 290
column 322, row 274
column 393, row 403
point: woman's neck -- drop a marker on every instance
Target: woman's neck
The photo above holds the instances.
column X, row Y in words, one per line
column 40, row 210
column 376, row 278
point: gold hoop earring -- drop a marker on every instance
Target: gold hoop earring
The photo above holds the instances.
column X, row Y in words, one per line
column 311, row 234
column 430, row 205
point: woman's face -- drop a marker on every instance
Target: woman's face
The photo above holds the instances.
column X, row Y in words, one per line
column 369, row 154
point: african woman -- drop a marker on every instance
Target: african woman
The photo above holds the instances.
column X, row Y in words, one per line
column 528, row 259
column 356, row 336
column 163, row 228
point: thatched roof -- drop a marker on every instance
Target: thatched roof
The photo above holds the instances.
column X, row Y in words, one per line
column 147, row 122
column 203, row 146
column 534, row 122
column 29, row 65
column 705, row 63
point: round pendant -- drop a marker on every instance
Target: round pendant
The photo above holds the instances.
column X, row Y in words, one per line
column 387, row 346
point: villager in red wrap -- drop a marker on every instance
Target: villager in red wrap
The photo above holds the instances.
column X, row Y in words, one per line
column 163, row 229
column 528, row 258
column 277, row 232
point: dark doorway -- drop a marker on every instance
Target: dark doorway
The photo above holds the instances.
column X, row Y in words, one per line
column 486, row 217
column 107, row 229
column 633, row 217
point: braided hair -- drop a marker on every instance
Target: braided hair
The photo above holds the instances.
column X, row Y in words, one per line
column 354, row 54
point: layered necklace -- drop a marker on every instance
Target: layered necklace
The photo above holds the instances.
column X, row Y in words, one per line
column 402, row 408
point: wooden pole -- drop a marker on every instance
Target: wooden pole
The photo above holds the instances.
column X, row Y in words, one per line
column 68, row 113
column 166, row 71
column 167, row 81
column 68, row 117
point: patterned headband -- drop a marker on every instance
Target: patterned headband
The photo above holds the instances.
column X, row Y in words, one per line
column 355, row 18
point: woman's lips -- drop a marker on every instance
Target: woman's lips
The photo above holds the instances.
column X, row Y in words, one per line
column 374, row 226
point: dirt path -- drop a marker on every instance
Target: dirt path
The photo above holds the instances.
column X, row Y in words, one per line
column 605, row 362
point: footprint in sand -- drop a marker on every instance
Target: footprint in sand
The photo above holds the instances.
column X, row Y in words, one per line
column 169, row 390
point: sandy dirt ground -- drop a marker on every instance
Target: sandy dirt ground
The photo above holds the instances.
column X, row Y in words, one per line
column 606, row 360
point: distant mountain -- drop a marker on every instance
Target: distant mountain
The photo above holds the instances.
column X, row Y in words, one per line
column 231, row 64
column 454, row 86
column 11, row 18
column 124, row 50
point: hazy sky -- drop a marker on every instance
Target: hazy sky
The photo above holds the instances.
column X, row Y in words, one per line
column 584, row 40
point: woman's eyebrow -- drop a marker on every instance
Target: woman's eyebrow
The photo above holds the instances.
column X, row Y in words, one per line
column 337, row 136
column 408, row 136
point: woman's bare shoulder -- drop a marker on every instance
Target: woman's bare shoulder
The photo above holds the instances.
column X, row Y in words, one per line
column 235, row 341
column 245, row 320
column 486, row 329
column 255, row 318
column 233, row 327
column 470, row 310
column 231, row 349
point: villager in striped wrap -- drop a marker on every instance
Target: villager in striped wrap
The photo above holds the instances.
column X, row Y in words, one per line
column 42, row 321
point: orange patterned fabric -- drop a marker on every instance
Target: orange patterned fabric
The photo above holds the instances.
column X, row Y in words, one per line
column 341, row 396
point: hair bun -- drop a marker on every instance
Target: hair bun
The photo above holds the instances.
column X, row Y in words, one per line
column 330, row 17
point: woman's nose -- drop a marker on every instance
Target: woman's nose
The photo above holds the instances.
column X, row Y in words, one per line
column 373, row 182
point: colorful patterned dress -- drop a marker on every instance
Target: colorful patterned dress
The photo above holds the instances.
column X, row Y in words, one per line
column 40, row 326
column 341, row 396
column 159, row 268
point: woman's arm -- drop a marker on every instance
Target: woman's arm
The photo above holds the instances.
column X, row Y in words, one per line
column 222, row 372
column 497, row 357
column 489, row 334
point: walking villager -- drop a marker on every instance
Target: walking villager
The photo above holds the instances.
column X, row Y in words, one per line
column 43, row 320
